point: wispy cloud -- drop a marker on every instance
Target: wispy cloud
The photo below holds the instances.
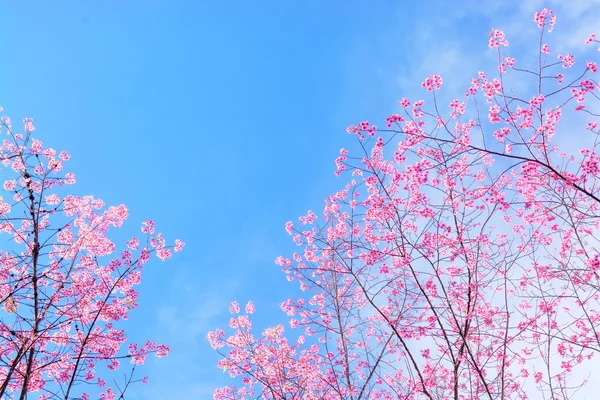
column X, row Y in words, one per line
column 188, row 313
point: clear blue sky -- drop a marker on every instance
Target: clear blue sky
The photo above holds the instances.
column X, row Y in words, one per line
column 221, row 121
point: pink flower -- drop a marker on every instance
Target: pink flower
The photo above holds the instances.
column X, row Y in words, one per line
column 590, row 39
column 178, row 245
column 133, row 243
column 163, row 254
column 148, row 227
column 545, row 18
column 432, row 82
column 568, row 60
column 592, row 66
column 28, row 125
column 162, row 351
column 545, row 49
column 497, row 39
column 289, row 227
column 10, row 184
column 234, row 307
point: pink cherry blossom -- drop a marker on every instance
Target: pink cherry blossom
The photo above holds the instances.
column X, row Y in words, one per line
column 459, row 259
column 64, row 283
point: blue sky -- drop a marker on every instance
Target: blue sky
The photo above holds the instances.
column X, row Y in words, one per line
column 221, row 121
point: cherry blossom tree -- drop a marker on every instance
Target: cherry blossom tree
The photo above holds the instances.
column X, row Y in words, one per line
column 64, row 285
column 460, row 260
